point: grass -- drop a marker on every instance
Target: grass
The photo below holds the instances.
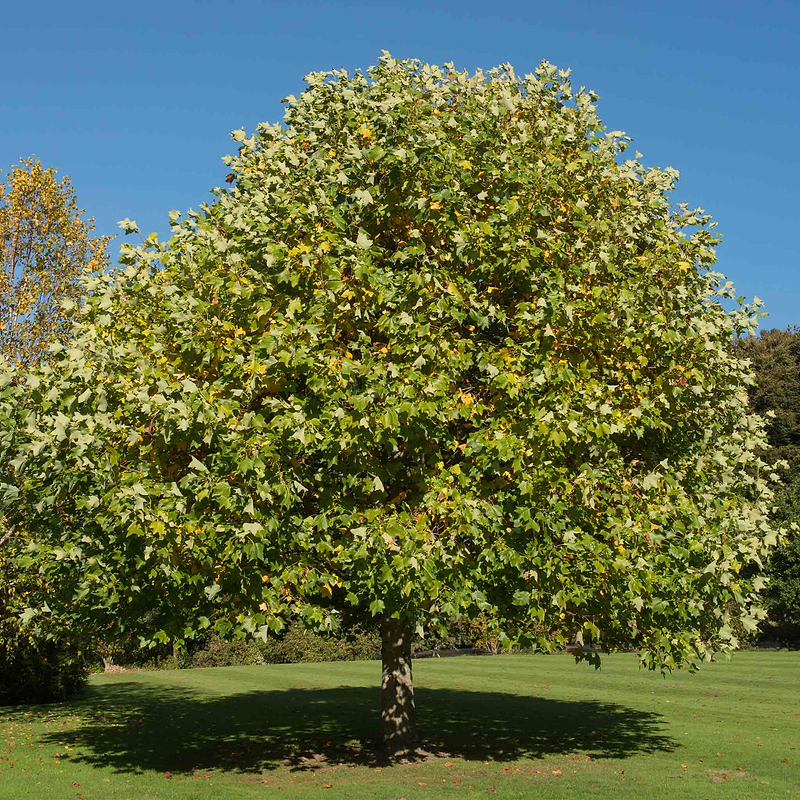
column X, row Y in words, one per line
column 512, row 726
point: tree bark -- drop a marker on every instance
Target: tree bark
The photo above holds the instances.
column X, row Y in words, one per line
column 398, row 714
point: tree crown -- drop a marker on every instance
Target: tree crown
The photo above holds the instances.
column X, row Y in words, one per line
column 44, row 245
column 436, row 350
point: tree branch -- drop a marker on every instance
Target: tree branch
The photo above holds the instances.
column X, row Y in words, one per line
column 7, row 536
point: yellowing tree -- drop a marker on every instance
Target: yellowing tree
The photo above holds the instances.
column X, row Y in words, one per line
column 44, row 245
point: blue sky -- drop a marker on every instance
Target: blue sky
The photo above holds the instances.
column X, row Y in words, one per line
column 135, row 101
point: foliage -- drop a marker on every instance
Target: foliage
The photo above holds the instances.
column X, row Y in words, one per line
column 461, row 634
column 219, row 653
column 300, row 645
column 35, row 666
column 296, row 645
column 44, row 246
column 39, row 671
column 782, row 595
column 775, row 355
column 436, row 351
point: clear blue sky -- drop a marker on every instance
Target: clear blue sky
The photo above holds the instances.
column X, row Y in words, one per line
column 135, row 101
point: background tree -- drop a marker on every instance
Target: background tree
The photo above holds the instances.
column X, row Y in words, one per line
column 775, row 355
column 44, row 245
column 435, row 352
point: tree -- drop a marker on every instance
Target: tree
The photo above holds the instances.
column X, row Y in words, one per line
column 775, row 356
column 434, row 352
column 44, row 246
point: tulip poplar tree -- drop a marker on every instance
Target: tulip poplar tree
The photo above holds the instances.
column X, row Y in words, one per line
column 435, row 350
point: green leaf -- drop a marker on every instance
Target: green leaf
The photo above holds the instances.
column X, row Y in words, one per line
column 128, row 226
column 376, row 607
column 522, row 598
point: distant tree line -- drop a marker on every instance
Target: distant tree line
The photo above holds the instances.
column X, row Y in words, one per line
column 775, row 355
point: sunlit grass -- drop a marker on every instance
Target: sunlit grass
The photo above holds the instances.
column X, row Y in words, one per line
column 515, row 726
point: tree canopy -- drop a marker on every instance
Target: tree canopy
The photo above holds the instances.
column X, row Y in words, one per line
column 435, row 350
column 44, row 245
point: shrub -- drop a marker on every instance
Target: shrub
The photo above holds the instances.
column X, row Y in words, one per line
column 35, row 667
column 219, row 653
column 297, row 645
column 39, row 671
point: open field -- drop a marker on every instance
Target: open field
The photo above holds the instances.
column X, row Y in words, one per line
column 512, row 727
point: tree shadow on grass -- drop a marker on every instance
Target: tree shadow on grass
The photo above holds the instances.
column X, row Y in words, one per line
column 133, row 727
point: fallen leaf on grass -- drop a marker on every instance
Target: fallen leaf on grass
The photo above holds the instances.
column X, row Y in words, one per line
column 556, row 771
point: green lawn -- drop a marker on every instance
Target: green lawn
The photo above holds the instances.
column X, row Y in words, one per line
column 512, row 726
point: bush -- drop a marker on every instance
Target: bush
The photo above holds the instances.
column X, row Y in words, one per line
column 297, row 645
column 459, row 635
column 34, row 667
column 219, row 653
column 39, row 671
column 302, row 645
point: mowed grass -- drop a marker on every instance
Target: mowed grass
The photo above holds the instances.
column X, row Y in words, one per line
column 510, row 726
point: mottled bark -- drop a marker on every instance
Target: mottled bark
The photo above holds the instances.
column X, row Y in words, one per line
column 398, row 714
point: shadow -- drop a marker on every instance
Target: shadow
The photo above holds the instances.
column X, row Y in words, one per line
column 131, row 727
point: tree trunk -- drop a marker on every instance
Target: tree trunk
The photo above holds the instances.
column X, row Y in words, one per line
column 398, row 714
